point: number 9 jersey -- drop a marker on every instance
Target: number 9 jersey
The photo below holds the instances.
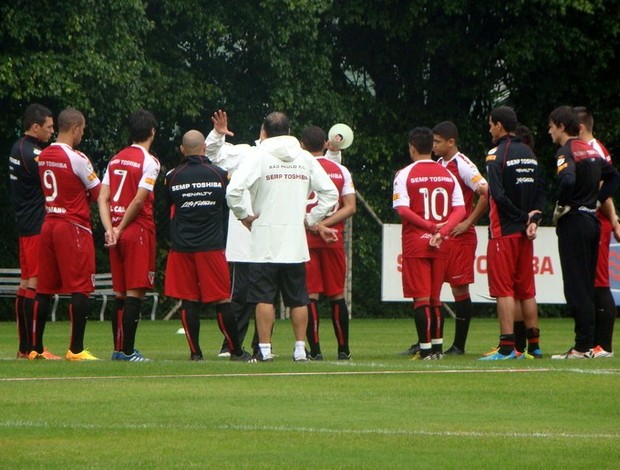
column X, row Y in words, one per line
column 66, row 175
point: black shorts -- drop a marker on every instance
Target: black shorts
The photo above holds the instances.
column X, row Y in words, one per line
column 266, row 278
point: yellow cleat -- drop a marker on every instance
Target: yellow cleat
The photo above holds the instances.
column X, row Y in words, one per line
column 85, row 355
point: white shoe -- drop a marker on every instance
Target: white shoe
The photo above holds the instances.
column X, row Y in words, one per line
column 598, row 352
column 572, row 353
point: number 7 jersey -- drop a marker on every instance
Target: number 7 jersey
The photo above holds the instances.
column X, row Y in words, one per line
column 66, row 176
column 431, row 192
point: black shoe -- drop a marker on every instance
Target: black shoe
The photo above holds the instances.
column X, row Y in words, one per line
column 454, row 351
column 196, row 357
column 412, row 351
column 315, row 357
column 343, row 356
column 245, row 357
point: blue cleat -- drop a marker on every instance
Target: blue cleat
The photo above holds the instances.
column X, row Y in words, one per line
column 136, row 356
column 499, row 356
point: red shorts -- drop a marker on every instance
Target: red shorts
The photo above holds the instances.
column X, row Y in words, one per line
column 29, row 256
column 423, row 277
column 460, row 268
column 602, row 264
column 132, row 260
column 510, row 268
column 326, row 271
column 201, row 277
column 66, row 259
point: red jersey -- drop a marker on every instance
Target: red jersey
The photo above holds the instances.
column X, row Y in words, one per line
column 341, row 177
column 470, row 180
column 66, row 176
column 430, row 191
column 132, row 168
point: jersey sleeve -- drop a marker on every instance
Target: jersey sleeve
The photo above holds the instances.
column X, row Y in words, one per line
column 400, row 196
column 150, row 171
column 469, row 174
column 83, row 169
column 347, row 187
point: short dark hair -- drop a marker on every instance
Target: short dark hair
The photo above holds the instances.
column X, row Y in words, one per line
column 566, row 116
column 446, row 130
column 585, row 117
column 35, row 113
column 141, row 123
column 276, row 124
column 313, row 138
column 506, row 116
column 69, row 117
column 525, row 135
column 421, row 138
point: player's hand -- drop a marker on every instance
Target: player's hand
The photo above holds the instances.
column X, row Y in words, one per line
column 248, row 221
column 459, row 229
column 220, row 123
column 435, row 240
column 329, row 235
column 558, row 212
column 110, row 238
column 531, row 231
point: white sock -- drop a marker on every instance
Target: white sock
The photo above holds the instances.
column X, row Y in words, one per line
column 265, row 349
column 300, row 349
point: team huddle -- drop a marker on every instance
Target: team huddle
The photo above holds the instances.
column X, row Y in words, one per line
column 249, row 224
column 435, row 201
column 271, row 221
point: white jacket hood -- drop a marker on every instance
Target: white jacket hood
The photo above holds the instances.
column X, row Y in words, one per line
column 284, row 147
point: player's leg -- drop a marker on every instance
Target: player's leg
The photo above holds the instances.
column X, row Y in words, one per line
column 438, row 268
column 262, row 291
column 292, row 282
column 333, row 268
column 314, row 285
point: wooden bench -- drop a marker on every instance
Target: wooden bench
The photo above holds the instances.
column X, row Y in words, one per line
column 10, row 279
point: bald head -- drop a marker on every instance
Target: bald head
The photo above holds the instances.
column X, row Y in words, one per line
column 193, row 143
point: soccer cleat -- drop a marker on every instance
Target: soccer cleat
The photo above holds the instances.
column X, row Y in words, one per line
column 536, row 354
column 136, row 356
column 84, row 355
column 260, row 358
column 437, row 356
column 245, row 357
column 572, row 353
column 22, row 355
column 413, row 349
column 524, row 355
column 196, row 357
column 115, row 356
column 224, row 353
column 316, row 357
column 49, row 356
column 598, row 353
column 492, row 351
column 343, row 356
column 454, row 351
column 422, row 357
column 499, row 356
column 34, row 355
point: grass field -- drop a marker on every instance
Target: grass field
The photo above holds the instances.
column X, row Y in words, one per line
column 379, row 410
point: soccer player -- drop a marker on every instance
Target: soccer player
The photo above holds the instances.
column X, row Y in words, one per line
column 605, row 307
column 326, row 270
column 517, row 199
column 279, row 176
column 196, row 271
column 29, row 206
column 580, row 170
column 429, row 200
column 238, row 238
column 462, row 240
column 67, row 254
column 126, row 211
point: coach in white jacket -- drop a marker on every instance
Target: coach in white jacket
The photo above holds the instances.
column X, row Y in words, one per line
column 280, row 176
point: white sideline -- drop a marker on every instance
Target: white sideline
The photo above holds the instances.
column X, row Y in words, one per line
column 309, row 374
column 304, row 430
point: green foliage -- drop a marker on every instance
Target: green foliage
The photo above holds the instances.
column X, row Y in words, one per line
column 381, row 67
